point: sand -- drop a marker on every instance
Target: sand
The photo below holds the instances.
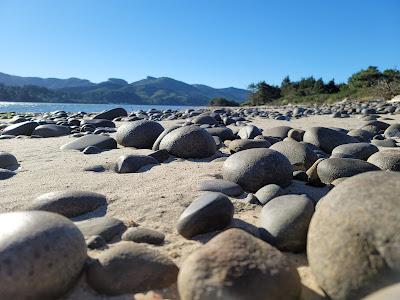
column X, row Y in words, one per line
column 153, row 198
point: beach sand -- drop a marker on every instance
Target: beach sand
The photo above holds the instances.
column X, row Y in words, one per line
column 153, row 198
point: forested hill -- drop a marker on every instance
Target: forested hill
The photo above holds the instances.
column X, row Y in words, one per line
column 151, row 90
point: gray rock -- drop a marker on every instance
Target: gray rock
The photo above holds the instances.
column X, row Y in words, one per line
column 269, row 192
column 42, row 255
column 284, row 222
column 111, row 114
column 296, row 134
column 23, row 128
column 133, row 163
column 100, row 141
column 393, row 131
column 333, row 168
column 300, row 156
column 7, row 160
column 249, row 132
column 236, row 265
column 160, row 155
column 315, row 193
column 107, row 227
column 189, row 142
column 224, row 133
column 255, row 168
column 361, row 135
column 143, row 235
column 384, row 143
column 139, row 134
column 6, row 174
column 221, row 186
column 207, row 213
column 279, row 131
column 354, row 236
column 95, row 123
column 326, row 138
column 388, row 293
column 156, row 145
column 244, row 144
column 386, row 160
column 130, row 268
column 91, row 150
column 354, row 150
column 51, row 130
column 205, row 118
column 69, row 203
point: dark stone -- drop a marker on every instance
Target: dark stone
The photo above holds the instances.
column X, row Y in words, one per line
column 386, row 160
column 95, row 242
column 139, row 134
column 6, row 174
column 51, row 130
column 100, row 141
column 133, row 163
column 107, row 227
column 7, row 160
column 98, row 123
column 160, row 155
column 358, row 150
column 244, row 144
column 279, row 131
column 111, row 114
column 221, row 186
column 224, row 133
column 91, row 150
column 23, row 128
column 326, row 138
column 143, row 235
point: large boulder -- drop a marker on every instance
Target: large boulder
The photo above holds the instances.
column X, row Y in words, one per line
column 111, row 114
column 300, row 155
column 355, row 150
column 189, row 142
column 386, row 160
column 156, row 145
column 284, row 222
column 139, row 134
column 204, row 118
column 128, row 267
column 69, row 203
column 41, row 255
column 51, row 130
column 255, row 168
column 236, row 265
column 326, row 138
column 103, row 142
column 209, row 212
column 23, row 128
column 354, row 236
column 333, row 168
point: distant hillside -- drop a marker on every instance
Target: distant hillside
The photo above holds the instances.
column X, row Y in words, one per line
column 150, row 90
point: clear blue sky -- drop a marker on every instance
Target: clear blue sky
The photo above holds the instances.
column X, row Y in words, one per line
column 215, row 42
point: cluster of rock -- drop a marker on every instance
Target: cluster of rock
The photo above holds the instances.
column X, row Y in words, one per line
column 328, row 192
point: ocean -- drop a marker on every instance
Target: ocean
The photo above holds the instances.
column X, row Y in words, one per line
column 35, row 107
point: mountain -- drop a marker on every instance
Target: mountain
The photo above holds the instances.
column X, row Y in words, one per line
column 151, row 90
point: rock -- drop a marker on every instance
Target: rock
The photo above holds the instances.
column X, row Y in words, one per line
column 300, row 156
column 224, row 133
column 221, row 186
column 279, row 131
column 388, row 293
column 51, row 130
column 91, row 150
column 255, row 168
column 189, row 142
column 42, row 255
column 106, row 227
column 160, row 155
column 7, row 160
column 133, row 163
column 393, row 131
column 269, row 192
column 326, row 138
column 354, row 235
column 100, row 141
column 386, row 160
column 312, row 174
column 205, row 119
column 23, row 128
column 300, row 175
column 296, row 134
column 236, row 265
column 315, row 193
column 284, row 222
column 95, row 123
column 333, row 168
column 354, row 150
column 361, row 135
column 69, row 203
column 6, row 174
column 111, row 114
column 139, row 134
column 130, row 268
column 156, row 145
column 252, row 199
column 244, row 144
column 143, row 235
column 209, row 212
column 95, row 242
column 384, row 143
column 249, row 132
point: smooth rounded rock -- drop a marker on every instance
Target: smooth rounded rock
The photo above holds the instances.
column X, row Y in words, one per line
column 69, row 203
column 221, row 186
column 156, row 145
column 41, row 255
column 139, row 134
column 354, row 236
column 106, row 227
column 279, row 131
column 393, row 131
column 244, row 144
column 249, row 132
column 133, row 163
column 128, row 267
column 386, row 160
column 100, row 141
column 354, row 150
column 326, row 138
column 255, row 168
column 6, row 174
column 143, row 235
column 51, row 130
column 284, row 222
column 236, row 265
column 269, row 192
column 7, row 160
column 111, row 114
column 189, row 142
column 23, row 128
column 209, row 212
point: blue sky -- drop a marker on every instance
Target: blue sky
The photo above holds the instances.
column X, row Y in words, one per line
column 215, row 42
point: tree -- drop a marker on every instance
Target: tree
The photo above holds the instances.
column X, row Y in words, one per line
column 365, row 78
column 262, row 93
column 220, row 101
